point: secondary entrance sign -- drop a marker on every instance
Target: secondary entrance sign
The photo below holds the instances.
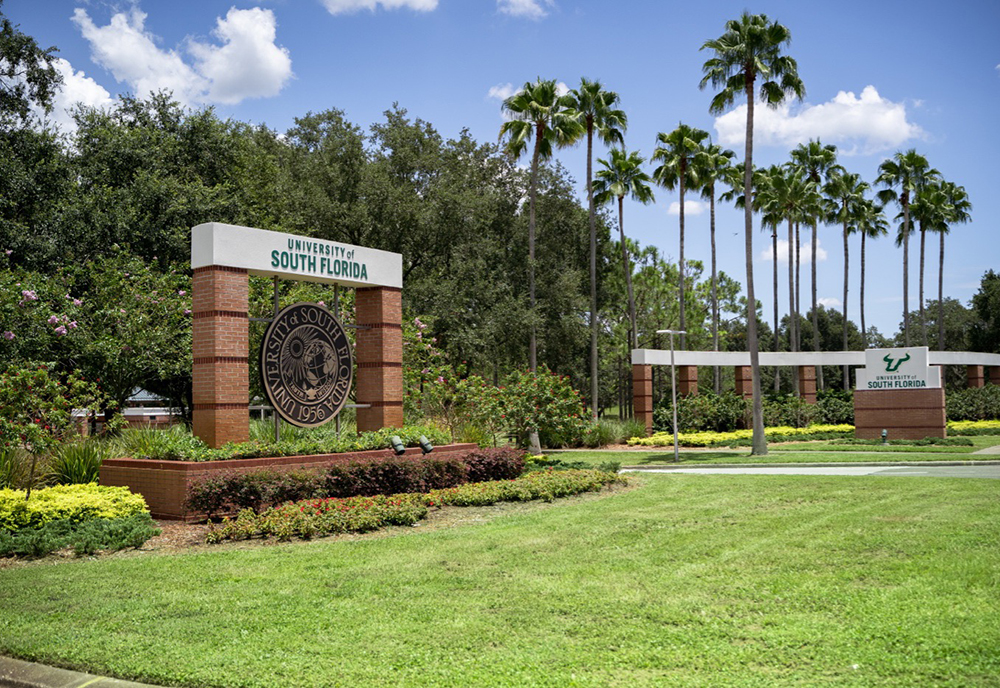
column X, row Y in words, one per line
column 898, row 369
column 306, row 365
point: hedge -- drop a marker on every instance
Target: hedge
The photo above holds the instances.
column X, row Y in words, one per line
column 71, row 503
column 722, row 439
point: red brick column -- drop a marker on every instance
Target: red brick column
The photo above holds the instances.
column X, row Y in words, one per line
column 807, row 384
column 974, row 373
column 220, row 301
column 909, row 414
column 379, row 353
column 995, row 375
column 744, row 381
column 642, row 395
column 687, row 380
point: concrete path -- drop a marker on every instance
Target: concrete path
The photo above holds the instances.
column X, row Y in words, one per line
column 946, row 471
column 17, row 674
column 995, row 449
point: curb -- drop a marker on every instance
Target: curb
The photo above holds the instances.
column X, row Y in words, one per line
column 877, row 464
column 16, row 673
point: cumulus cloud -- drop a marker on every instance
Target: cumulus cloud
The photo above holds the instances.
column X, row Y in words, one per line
column 830, row 302
column 862, row 124
column 247, row 63
column 349, row 6
column 690, row 208
column 501, row 91
column 529, row 9
column 805, row 252
column 77, row 89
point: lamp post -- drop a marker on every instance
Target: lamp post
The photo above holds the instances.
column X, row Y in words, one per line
column 673, row 384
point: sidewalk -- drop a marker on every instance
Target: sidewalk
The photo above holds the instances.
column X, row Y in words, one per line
column 15, row 673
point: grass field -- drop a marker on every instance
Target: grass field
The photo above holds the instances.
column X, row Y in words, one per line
column 684, row 580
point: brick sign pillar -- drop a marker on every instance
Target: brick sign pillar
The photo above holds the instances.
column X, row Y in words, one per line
column 220, row 302
column 687, row 380
column 974, row 375
column 995, row 375
column 379, row 352
column 642, row 395
column 900, row 393
column 744, row 381
column 807, row 384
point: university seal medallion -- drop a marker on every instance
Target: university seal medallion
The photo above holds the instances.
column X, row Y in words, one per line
column 306, row 364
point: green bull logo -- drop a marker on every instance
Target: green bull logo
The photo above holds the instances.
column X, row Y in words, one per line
column 891, row 367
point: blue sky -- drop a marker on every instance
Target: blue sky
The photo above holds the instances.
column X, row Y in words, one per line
column 880, row 77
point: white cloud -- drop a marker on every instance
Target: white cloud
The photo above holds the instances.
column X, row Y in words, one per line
column 77, row 88
column 247, row 64
column 348, row 6
column 529, row 9
column 805, row 252
column 690, row 208
column 830, row 302
column 858, row 125
column 501, row 91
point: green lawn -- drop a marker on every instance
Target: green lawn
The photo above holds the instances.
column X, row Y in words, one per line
column 686, row 580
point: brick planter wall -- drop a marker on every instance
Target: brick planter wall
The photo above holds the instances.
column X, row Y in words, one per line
column 907, row 414
column 164, row 484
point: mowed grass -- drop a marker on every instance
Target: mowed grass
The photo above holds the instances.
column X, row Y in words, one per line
column 684, row 580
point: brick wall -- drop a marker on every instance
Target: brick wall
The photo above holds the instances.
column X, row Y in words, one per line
column 807, row 384
column 642, row 395
column 379, row 354
column 905, row 413
column 687, row 380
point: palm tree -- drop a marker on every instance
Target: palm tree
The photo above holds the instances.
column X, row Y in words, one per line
column 750, row 49
column 871, row 223
column 846, row 193
column 909, row 171
column 714, row 164
column 818, row 162
column 959, row 211
column 929, row 209
column 623, row 176
column 677, row 150
column 596, row 109
column 764, row 203
column 536, row 112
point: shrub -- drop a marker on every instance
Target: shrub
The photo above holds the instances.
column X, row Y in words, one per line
column 502, row 463
column 835, row 406
column 744, row 437
column 974, row 427
column 702, row 412
column 15, row 469
column 925, row 442
column 73, row 503
column 974, row 403
column 77, row 463
column 547, row 485
column 86, row 537
column 545, row 402
column 787, row 410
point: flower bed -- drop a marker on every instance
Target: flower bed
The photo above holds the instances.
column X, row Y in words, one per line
column 744, row 437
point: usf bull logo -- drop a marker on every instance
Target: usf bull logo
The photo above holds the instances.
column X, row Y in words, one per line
column 891, row 367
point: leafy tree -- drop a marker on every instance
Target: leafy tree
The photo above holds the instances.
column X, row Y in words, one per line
column 908, row 171
column 751, row 49
column 677, row 151
column 958, row 211
column 985, row 332
column 958, row 324
column 27, row 76
column 598, row 111
column 623, row 176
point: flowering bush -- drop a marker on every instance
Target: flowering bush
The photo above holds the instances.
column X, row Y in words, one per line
column 73, row 503
column 545, row 402
column 721, row 439
column 974, row 427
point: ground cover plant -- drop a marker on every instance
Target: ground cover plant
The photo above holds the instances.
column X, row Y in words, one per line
column 742, row 437
column 687, row 580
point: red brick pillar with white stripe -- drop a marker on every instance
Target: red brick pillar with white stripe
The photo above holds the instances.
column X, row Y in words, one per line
column 220, row 305
column 379, row 354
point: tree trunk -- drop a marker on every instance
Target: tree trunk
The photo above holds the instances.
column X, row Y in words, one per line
column 680, row 266
column 716, row 379
column 847, row 369
column 759, row 440
column 941, row 344
column 634, row 338
column 533, row 344
column 864, row 333
column 798, row 283
column 906, row 268
column 923, row 316
column 791, row 302
column 777, row 323
column 594, row 388
column 815, row 314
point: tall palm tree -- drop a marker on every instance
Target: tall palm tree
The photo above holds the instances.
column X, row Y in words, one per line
column 928, row 209
column 597, row 110
column 623, row 176
column 817, row 161
column 748, row 51
column 959, row 212
column 764, row 202
column 714, row 165
column 677, row 151
column 846, row 193
column 871, row 223
column 537, row 112
column 908, row 171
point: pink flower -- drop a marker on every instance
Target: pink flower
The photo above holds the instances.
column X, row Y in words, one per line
column 77, row 302
column 181, row 293
column 187, row 311
column 440, row 379
column 121, row 310
column 60, row 330
column 53, row 319
column 72, row 325
column 8, row 251
column 8, row 335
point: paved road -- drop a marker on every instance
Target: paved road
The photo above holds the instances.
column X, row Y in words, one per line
column 988, row 471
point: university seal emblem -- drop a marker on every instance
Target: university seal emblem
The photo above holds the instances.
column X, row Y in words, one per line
column 306, row 364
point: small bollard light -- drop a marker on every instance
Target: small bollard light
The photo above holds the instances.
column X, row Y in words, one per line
column 397, row 445
column 425, row 444
column 885, row 435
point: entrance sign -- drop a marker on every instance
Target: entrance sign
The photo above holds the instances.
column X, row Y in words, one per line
column 274, row 254
column 904, row 368
column 306, row 365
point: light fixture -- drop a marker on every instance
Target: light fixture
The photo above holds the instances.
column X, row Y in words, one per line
column 673, row 384
column 885, row 435
column 425, row 444
column 397, row 445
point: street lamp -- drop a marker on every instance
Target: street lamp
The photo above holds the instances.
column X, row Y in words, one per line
column 673, row 384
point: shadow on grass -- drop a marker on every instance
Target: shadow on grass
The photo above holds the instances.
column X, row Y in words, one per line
column 699, row 457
